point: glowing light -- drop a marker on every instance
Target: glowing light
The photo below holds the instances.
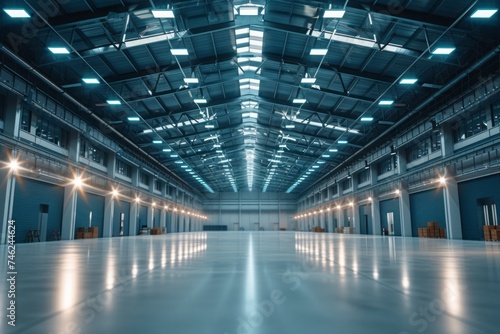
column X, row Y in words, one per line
column 13, row 165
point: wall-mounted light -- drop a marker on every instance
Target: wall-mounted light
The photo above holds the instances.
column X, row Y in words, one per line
column 13, row 165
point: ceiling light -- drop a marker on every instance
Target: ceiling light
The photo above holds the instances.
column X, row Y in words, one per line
column 366, row 119
column 113, row 102
column 174, row 155
column 342, row 141
column 157, row 141
column 191, row 80
column 385, row 102
column 14, row 165
column 59, row 50
column 334, row 14
column 483, row 13
column 443, row 51
column 163, row 14
column 299, row 101
column 325, row 155
column 333, row 150
column 167, row 150
column 408, row 81
column 290, row 126
column 308, row 80
column 318, row 52
column 199, row 101
column 209, row 126
column 133, row 119
column 179, row 52
column 249, row 10
column 179, row 162
column 17, row 13
column 91, row 81
column 282, row 145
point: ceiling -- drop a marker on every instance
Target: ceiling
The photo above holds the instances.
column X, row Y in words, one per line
column 250, row 134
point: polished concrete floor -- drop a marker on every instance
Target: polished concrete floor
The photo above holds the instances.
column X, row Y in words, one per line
column 255, row 282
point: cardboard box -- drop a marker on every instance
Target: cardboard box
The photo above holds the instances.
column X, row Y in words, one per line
column 79, row 235
column 94, row 231
column 495, row 234
column 87, row 235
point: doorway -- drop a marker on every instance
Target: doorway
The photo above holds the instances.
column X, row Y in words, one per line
column 43, row 221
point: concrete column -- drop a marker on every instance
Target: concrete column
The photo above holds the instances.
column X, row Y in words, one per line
column 109, row 211
column 340, row 216
column 356, row 220
column 373, row 174
column 151, row 213
column 452, row 209
column 446, row 140
column 7, row 189
column 401, row 156
column 134, row 217
column 74, row 146
column 376, row 224
column 111, row 165
column 13, row 109
column 135, row 176
column 69, row 213
column 163, row 218
column 404, row 211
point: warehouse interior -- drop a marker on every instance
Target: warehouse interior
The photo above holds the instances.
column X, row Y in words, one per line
column 283, row 166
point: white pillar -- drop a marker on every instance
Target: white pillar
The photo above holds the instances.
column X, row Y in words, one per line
column 7, row 190
column 109, row 211
column 376, row 225
column 356, row 220
column 452, row 209
column 405, row 213
column 134, row 217
column 69, row 213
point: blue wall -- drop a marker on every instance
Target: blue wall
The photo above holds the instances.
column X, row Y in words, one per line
column 87, row 202
column 470, row 211
column 365, row 210
column 156, row 218
column 28, row 195
column 427, row 206
column 121, row 206
column 391, row 205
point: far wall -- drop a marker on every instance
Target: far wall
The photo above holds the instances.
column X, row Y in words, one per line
column 250, row 211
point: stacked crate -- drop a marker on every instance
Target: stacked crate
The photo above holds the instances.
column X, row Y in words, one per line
column 80, row 233
column 432, row 231
column 491, row 232
column 318, row 229
column 339, row 230
column 94, row 232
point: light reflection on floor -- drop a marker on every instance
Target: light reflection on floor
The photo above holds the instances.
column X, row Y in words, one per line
column 256, row 282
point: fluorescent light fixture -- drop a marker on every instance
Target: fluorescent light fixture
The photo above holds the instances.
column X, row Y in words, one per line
column 59, row 50
column 318, row 52
column 216, row 145
column 290, row 126
column 184, row 166
column 163, row 14
column 408, row 81
column 249, row 10
column 179, row 162
column 443, row 51
column 167, row 150
column 174, row 155
column 334, row 14
column 179, row 52
column 113, row 102
column 242, row 31
column 191, row 80
column 91, row 81
column 366, row 119
column 209, row 126
column 157, row 141
column 199, row 101
column 299, row 101
column 133, row 119
column 147, row 131
column 282, row 145
column 17, row 13
column 483, row 13
column 385, row 102
column 308, row 80
column 342, row 142
column 333, row 150
column 325, row 155
column 149, row 40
